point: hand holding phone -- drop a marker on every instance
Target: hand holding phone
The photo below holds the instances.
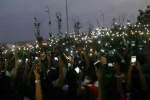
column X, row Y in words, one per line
column 77, row 69
column 69, row 58
column 36, row 58
column 56, row 58
column 110, row 65
column 26, row 59
column 97, row 65
column 133, row 60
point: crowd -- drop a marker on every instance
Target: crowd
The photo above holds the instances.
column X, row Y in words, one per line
column 84, row 74
column 103, row 65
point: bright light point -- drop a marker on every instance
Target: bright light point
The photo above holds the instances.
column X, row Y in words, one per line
column 102, row 50
column 37, row 46
column 66, row 49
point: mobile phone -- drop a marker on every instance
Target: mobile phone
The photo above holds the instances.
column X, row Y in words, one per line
column 77, row 69
column 132, row 43
column 69, row 64
column 97, row 64
column 36, row 58
column 26, row 59
column 110, row 64
column 19, row 60
column 96, row 52
column 91, row 50
column 56, row 58
column 111, row 53
column 90, row 54
column 140, row 48
column 69, row 57
column 133, row 60
column 79, row 62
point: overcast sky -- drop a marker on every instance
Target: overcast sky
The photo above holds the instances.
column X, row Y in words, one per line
column 17, row 16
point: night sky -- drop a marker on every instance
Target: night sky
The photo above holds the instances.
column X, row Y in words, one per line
column 17, row 16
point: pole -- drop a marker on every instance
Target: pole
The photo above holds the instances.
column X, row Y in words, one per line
column 132, row 18
column 49, row 19
column 102, row 14
column 67, row 17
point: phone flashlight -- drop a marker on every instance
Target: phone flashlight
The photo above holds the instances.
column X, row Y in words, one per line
column 133, row 60
column 97, row 64
column 36, row 58
column 77, row 69
column 19, row 60
column 56, row 58
column 26, row 59
column 110, row 64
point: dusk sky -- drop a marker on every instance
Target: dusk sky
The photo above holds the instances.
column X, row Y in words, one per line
column 17, row 16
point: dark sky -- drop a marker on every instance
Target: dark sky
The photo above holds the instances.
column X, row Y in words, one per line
column 17, row 16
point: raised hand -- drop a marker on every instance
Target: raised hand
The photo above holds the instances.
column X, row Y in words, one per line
column 16, row 54
column 35, row 70
column 6, row 64
column 28, row 62
column 49, row 56
column 83, row 52
column 61, row 63
column 116, row 68
column 130, row 67
column 99, row 72
column 80, row 75
column 138, row 66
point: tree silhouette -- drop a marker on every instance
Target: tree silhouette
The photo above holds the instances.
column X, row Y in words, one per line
column 144, row 17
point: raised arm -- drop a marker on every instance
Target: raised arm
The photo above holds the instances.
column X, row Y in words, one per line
column 25, row 74
column 49, row 60
column 119, row 55
column 119, row 78
column 129, row 77
column 100, row 76
column 86, row 59
column 142, row 76
column 61, row 74
column 38, row 90
column 16, row 68
column 80, row 75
